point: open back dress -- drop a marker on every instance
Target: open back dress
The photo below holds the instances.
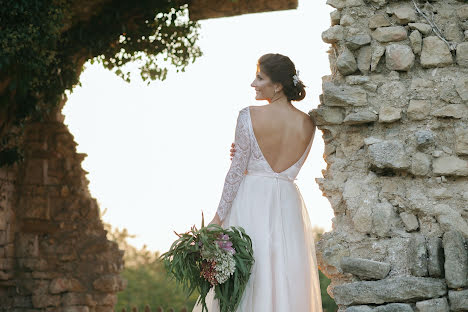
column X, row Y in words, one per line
column 270, row 207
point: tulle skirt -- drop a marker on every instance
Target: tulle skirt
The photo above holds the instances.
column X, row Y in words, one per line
column 284, row 276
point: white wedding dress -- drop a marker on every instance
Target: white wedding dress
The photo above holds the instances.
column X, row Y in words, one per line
column 269, row 206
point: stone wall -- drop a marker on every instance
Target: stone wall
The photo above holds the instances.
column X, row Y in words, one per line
column 54, row 254
column 394, row 116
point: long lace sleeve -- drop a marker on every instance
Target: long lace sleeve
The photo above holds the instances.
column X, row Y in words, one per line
column 238, row 166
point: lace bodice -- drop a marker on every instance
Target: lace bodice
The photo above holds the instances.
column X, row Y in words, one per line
column 248, row 156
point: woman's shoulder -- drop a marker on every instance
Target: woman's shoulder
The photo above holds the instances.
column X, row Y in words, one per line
column 252, row 107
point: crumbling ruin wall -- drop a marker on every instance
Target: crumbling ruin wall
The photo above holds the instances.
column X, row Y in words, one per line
column 54, row 254
column 394, row 116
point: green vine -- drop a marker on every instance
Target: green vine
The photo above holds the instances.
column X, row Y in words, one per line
column 44, row 44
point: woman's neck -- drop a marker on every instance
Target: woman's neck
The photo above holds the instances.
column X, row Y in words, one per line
column 281, row 101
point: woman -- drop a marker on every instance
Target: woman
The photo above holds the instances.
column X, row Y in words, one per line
column 272, row 142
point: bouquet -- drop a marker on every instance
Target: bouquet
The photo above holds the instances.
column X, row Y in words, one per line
column 212, row 257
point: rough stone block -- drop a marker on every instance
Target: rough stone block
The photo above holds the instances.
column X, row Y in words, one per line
column 420, row 83
column 347, row 20
column 435, row 53
column 456, row 259
column 461, row 141
column 364, row 268
column 75, row 299
column 462, row 54
column 404, row 14
column 360, row 118
column 389, row 114
column 335, row 17
column 361, row 308
column 336, row 95
column 462, row 12
column 44, row 300
column 416, row 42
column 423, row 28
column 346, row 63
column 417, row 255
column 458, row 300
column 379, row 20
column 377, row 53
column 451, row 111
column 453, row 32
column 420, row 164
column 362, row 219
column 26, row 245
column 399, row 57
column 357, row 41
column 394, row 307
column 396, row 289
column 424, row 138
column 62, row 284
column 410, row 221
column 449, row 218
column 435, row 256
column 389, row 154
column 337, row 4
column 433, row 305
column 461, row 86
column 328, row 115
column 333, row 34
column 450, row 166
column 390, row 34
column 364, row 59
column 418, row 109
column 384, row 218
column 357, row 80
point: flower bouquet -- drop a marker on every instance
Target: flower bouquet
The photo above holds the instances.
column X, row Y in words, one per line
column 212, row 257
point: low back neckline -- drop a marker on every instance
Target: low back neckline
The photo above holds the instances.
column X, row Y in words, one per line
column 261, row 152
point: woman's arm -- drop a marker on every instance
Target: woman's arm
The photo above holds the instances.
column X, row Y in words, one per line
column 239, row 164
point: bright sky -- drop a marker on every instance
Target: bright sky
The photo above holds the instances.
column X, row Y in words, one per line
column 158, row 154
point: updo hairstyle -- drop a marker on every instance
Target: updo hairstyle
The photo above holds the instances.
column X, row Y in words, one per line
column 281, row 70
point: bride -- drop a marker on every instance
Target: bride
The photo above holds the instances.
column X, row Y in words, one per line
column 272, row 143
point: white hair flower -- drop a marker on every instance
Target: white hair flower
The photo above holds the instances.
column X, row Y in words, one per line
column 296, row 78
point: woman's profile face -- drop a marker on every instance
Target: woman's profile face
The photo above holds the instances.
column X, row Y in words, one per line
column 263, row 86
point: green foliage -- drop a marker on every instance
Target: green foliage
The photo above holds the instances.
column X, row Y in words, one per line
column 43, row 45
column 328, row 304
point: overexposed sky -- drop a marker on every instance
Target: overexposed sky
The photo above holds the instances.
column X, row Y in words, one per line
column 158, row 154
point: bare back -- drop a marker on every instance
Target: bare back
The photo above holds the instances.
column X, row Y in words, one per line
column 282, row 133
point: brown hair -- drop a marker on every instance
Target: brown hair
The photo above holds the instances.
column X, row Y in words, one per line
column 281, row 70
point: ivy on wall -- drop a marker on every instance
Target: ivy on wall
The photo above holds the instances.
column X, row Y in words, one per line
column 44, row 44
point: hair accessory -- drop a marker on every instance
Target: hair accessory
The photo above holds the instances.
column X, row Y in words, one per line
column 296, row 78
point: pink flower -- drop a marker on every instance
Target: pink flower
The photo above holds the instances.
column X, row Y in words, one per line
column 225, row 243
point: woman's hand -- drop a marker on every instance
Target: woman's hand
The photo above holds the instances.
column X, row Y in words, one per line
column 233, row 150
column 216, row 220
